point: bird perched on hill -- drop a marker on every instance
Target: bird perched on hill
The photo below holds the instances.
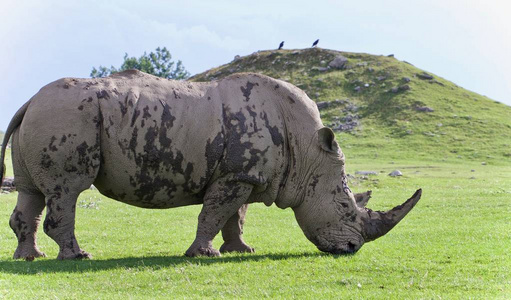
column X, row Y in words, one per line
column 281, row 45
column 315, row 43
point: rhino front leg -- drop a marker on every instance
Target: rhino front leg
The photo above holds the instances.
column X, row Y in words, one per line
column 233, row 231
column 24, row 222
column 222, row 200
column 59, row 224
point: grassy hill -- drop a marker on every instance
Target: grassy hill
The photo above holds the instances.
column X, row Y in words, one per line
column 392, row 109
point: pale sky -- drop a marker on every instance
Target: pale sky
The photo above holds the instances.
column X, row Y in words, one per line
column 467, row 42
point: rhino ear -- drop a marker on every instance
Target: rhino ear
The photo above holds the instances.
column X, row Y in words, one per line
column 326, row 139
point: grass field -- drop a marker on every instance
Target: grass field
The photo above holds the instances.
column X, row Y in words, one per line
column 454, row 245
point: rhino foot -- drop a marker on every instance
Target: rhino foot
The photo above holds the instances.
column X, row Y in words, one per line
column 28, row 255
column 70, row 255
column 236, row 247
column 202, row 251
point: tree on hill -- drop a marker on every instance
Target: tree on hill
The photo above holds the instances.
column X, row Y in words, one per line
column 158, row 63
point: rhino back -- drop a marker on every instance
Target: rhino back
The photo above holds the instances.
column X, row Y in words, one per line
column 160, row 140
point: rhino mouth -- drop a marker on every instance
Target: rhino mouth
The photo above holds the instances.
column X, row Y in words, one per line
column 345, row 248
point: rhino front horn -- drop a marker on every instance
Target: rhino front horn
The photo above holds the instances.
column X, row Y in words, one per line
column 377, row 223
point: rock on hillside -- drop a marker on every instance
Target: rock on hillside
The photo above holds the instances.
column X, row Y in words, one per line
column 381, row 105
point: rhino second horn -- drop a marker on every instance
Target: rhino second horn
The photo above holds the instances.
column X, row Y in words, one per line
column 378, row 223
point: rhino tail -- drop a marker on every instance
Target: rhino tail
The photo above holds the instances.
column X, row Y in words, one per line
column 15, row 122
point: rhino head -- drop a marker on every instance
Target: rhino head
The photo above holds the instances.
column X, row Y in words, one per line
column 329, row 215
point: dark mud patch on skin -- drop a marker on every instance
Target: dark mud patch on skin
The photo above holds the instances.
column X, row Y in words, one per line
column 82, row 153
column 241, row 158
column 276, row 136
column 108, row 126
column 51, row 222
column 230, row 192
column 52, row 147
column 87, row 158
column 89, row 84
column 88, row 100
column 70, row 168
column 63, row 140
column 167, row 119
column 235, row 127
column 17, row 218
column 98, row 120
column 102, row 95
column 253, row 114
column 124, row 106
column 247, row 90
column 146, row 115
column 18, row 225
column 214, row 153
column 255, row 157
column 135, row 116
column 314, row 183
column 46, row 161
column 351, row 216
column 156, row 161
column 133, row 142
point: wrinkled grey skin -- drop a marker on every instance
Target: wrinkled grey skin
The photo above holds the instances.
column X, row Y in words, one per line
column 155, row 143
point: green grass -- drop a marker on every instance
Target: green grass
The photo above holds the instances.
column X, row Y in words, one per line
column 8, row 164
column 454, row 245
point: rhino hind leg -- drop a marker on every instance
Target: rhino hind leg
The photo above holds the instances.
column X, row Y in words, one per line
column 59, row 224
column 222, row 200
column 24, row 222
column 232, row 233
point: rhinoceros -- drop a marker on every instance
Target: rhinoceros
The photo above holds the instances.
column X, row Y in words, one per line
column 158, row 143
